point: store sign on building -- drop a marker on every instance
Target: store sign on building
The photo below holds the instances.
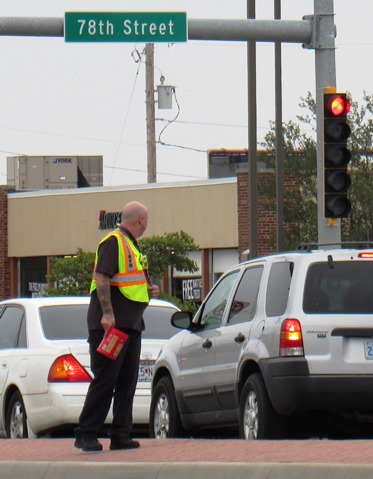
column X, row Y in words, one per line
column 37, row 289
column 192, row 289
column 109, row 221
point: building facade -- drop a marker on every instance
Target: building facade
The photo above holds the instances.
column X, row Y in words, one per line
column 42, row 224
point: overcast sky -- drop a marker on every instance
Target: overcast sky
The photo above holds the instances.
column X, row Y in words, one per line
column 60, row 98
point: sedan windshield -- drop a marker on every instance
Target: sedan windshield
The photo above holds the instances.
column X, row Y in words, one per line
column 158, row 323
column 70, row 322
column 64, row 321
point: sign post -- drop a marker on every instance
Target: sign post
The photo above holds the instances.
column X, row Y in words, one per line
column 143, row 27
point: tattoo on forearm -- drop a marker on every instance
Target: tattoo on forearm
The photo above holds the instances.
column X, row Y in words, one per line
column 103, row 294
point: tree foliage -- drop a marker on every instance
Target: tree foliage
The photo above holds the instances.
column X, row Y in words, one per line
column 299, row 140
column 71, row 275
column 358, row 226
column 171, row 249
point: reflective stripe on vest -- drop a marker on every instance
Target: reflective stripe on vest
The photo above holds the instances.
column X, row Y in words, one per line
column 130, row 278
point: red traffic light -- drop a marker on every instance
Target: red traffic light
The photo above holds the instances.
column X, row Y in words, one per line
column 336, row 105
column 337, row 156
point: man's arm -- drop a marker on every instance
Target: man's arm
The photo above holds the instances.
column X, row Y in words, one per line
column 103, row 294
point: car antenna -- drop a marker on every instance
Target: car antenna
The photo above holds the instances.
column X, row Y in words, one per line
column 330, row 261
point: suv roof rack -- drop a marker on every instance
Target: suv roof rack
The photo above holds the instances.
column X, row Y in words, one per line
column 310, row 246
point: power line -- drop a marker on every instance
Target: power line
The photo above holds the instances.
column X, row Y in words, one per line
column 126, row 115
column 158, row 172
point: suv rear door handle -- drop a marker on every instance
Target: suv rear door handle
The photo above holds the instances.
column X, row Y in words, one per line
column 207, row 344
column 240, row 338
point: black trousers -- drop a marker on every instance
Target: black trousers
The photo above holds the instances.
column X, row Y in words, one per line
column 113, row 380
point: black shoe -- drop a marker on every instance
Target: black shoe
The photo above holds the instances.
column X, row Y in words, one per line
column 116, row 444
column 88, row 444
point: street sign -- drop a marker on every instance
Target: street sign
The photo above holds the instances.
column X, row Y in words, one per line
column 141, row 27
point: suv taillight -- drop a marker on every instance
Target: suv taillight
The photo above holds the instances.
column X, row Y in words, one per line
column 291, row 340
column 67, row 369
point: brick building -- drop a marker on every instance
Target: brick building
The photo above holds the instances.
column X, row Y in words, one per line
column 5, row 277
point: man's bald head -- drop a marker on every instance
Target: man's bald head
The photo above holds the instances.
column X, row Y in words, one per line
column 135, row 218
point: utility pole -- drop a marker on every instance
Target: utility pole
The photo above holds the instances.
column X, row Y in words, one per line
column 252, row 139
column 150, row 114
column 279, row 138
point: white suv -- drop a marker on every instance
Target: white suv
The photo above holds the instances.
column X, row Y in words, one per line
column 276, row 336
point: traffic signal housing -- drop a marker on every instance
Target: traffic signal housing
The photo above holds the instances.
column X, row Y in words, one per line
column 336, row 155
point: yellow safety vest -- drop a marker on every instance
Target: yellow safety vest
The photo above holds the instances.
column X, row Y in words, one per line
column 130, row 278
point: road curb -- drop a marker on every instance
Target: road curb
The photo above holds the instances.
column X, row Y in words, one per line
column 181, row 470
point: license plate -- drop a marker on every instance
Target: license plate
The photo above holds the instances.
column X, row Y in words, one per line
column 146, row 371
column 368, row 346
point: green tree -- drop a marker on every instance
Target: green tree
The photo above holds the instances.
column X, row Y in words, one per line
column 358, row 226
column 300, row 204
column 171, row 249
column 71, row 275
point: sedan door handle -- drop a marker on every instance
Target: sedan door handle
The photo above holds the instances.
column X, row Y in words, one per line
column 207, row 344
column 240, row 338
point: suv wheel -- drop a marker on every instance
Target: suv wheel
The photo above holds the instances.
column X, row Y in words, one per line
column 164, row 414
column 258, row 419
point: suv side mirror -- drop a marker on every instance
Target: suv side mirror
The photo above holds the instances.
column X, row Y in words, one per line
column 182, row 319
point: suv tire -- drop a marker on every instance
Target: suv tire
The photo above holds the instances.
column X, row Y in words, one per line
column 164, row 413
column 257, row 418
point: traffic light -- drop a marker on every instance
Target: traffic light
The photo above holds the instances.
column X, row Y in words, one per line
column 336, row 155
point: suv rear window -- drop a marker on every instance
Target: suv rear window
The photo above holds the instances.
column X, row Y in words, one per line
column 339, row 287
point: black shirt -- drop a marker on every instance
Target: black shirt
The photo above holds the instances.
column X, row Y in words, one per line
column 127, row 313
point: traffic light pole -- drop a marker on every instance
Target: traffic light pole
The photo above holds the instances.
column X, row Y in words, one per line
column 329, row 231
column 314, row 31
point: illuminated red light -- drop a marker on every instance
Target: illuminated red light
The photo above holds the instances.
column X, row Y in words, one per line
column 339, row 105
column 291, row 340
column 366, row 254
column 68, row 369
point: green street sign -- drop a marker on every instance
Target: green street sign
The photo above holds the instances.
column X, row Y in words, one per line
column 143, row 27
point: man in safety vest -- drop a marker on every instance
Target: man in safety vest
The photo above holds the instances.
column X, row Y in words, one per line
column 120, row 292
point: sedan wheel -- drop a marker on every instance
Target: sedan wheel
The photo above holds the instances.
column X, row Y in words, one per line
column 16, row 424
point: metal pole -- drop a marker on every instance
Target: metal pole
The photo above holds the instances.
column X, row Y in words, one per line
column 252, row 121
column 32, row 26
column 279, row 138
column 150, row 114
column 325, row 71
column 289, row 31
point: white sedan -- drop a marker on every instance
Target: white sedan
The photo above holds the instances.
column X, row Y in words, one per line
column 45, row 367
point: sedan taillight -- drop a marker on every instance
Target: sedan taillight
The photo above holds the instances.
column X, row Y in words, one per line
column 291, row 340
column 67, row 369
